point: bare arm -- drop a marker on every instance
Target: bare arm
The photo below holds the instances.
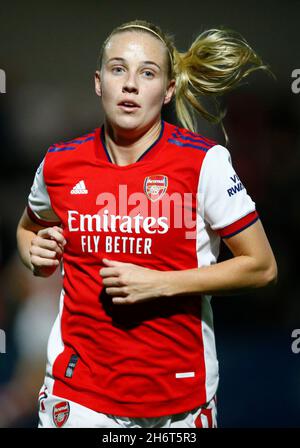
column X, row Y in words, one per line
column 253, row 265
column 40, row 248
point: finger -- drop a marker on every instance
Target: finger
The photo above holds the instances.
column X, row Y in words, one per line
column 59, row 229
column 46, row 253
column 113, row 262
column 57, row 236
column 40, row 262
column 51, row 245
column 116, row 292
column 112, row 281
column 121, row 301
column 109, row 272
column 43, row 253
column 53, row 234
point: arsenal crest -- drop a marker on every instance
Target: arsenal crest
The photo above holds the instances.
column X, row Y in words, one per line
column 155, row 186
column 61, row 412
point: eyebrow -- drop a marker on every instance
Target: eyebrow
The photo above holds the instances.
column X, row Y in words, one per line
column 124, row 60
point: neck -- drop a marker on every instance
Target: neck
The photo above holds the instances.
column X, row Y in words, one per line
column 126, row 148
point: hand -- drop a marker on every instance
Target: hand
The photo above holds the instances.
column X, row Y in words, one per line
column 129, row 283
column 46, row 251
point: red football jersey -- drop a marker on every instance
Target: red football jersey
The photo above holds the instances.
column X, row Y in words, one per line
column 167, row 211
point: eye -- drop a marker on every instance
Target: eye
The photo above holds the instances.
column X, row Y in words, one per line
column 117, row 70
column 148, row 74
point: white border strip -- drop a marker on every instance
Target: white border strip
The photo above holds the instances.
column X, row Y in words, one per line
column 185, row 375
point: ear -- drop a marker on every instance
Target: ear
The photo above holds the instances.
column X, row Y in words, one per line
column 98, row 83
column 170, row 91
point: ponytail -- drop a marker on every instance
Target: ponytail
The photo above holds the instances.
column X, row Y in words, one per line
column 215, row 64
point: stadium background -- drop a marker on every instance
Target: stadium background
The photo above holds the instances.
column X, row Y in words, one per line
column 48, row 51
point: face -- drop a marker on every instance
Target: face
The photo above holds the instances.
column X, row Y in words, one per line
column 133, row 82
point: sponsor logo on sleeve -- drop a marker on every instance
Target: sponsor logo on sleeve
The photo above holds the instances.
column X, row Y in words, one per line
column 238, row 186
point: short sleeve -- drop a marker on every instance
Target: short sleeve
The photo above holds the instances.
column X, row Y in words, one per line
column 39, row 205
column 223, row 199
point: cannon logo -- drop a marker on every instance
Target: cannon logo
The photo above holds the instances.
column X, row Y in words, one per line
column 155, row 186
column 61, row 412
column 2, row 342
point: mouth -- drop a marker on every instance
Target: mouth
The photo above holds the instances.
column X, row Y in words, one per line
column 128, row 106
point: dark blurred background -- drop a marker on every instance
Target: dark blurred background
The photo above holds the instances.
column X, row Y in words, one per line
column 48, row 51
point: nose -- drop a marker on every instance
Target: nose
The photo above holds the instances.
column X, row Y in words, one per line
column 130, row 84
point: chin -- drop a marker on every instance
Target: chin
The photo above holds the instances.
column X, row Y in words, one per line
column 127, row 124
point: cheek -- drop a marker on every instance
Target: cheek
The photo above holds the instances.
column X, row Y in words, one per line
column 108, row 92
column 155, row 96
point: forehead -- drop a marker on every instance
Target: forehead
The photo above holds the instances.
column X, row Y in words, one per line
column 135, row 45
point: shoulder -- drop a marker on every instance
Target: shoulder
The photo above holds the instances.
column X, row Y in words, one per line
column 63, row 156
column 73, row 144
column 186, row 139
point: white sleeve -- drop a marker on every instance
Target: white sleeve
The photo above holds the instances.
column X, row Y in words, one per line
column 223, row 199
column 39, row 205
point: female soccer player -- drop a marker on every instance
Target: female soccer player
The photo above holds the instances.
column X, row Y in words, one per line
column 135, row 211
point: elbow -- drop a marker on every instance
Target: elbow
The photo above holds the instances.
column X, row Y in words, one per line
column 270, row 275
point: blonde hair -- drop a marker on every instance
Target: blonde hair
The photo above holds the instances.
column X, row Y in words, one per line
column 215, row 63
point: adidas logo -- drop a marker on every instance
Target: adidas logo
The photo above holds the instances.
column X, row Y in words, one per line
column 79, row 188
